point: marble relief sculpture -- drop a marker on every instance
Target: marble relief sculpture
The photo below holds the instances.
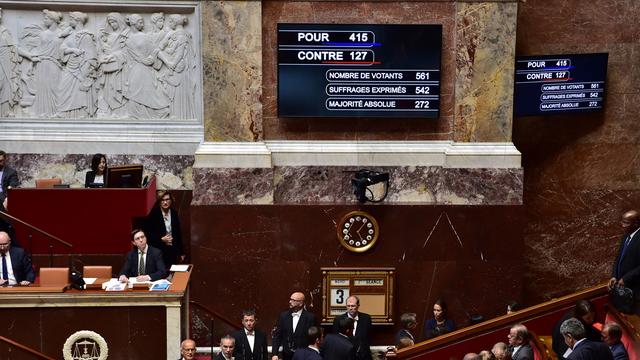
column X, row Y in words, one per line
column 60, row 68
column 76, row 95
column 9, row 72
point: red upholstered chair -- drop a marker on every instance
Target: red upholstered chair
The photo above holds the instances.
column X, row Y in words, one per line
column 95, row 271
column 54, row 276
column 47, row 183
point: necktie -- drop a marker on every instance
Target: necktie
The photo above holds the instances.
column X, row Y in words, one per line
column 141, row 265
column 5, row 272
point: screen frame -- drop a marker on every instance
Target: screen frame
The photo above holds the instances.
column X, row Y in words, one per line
column 115, row 175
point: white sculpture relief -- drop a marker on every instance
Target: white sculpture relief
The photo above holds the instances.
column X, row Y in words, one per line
column 43, row 51
column 146, row 99
column 77, row 97
column 178, row 54
column 64, row 69
column 9, row 72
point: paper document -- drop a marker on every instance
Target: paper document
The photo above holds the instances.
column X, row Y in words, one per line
column 89, row 281
column 179, row 268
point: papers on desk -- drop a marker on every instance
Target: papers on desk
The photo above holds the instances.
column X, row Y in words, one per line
column 179, row 268
column 114, row 285
column 89, row 281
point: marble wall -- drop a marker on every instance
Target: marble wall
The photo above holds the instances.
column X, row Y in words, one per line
column 582, row 170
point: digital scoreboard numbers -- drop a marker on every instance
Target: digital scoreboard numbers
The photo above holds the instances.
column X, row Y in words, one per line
column 330, row 70
column 559, row 84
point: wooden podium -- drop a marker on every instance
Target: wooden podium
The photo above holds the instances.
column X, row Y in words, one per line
column 136, row 324
column 94, row 221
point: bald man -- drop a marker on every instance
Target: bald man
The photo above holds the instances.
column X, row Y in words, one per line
column 188, row 349
column 292, row 328
column 15, row 264
column 626, row 268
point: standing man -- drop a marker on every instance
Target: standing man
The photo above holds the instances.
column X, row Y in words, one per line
column 311, row 352
column 361, row 328
column 188, row 349
column 15, row 264
column 626, row 268
column 8, row 179
column 292, row 327
column 612, row 335
column 581, row 348
column 144, row 262
column 338, row 346
column 519, row 343
column 251, row 343
column 227, row 344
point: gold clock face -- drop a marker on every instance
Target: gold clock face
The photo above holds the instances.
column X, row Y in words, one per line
column 358, row 231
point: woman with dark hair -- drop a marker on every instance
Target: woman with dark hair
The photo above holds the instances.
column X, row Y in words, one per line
column 513, row 306
column 439, row 325
column 163, row 227
column 96, row 176
column 585, row 312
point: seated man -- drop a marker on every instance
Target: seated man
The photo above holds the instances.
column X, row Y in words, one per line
column 15, row 266
column 188, row 349
column 144, row 262
column 612, row 336
column 409, row 323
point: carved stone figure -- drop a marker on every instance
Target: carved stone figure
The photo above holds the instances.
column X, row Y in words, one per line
column 179, row 56
column 112, row 59
column 145, row 98
column 9, row 72
column 77, row 98
column 44, row 55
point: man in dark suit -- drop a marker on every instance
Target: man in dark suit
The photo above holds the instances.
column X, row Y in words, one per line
column 581, row 348
column 188, row 349
column 338, row 346
column 626, row 268
column 291, row 329
column 15, row 264
column 519, row 343
column 227, row 344
column 311, row 352
column 8, row 179
column 361, row 328
column 144, row 262
column 409, row 323
column 612, row 335
column 251, row 343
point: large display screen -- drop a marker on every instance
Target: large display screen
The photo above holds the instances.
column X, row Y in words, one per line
column 339, row 70
column 559, row 84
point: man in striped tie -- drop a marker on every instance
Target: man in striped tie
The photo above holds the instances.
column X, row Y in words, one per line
column 144, row 262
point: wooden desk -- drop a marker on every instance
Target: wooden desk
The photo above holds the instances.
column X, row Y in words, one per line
column 137, row 324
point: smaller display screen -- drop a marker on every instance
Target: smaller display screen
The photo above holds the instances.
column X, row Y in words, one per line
column 559, row 84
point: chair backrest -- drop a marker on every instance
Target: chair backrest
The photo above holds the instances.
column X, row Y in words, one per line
column 97, row 271
column 54, row 276
column 47, row 183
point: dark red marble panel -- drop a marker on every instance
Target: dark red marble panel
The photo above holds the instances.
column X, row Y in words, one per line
column 130, row 333
column 581, row 171
column 255, row 256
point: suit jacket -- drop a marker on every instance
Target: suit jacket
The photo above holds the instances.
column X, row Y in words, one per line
column 403, row 333
column 242, row 350
column 524, row 353
column 590, row 350
column 285, row 337
column 306, row 354
column 155, row 230
column 219, row 356
column 21, row 264
column 9, row 178
column 629, row 269
column 558, row 344
column 154, row 265
column 619, row 352
column 337, row 347
column 361, row 341
column 91, row 176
